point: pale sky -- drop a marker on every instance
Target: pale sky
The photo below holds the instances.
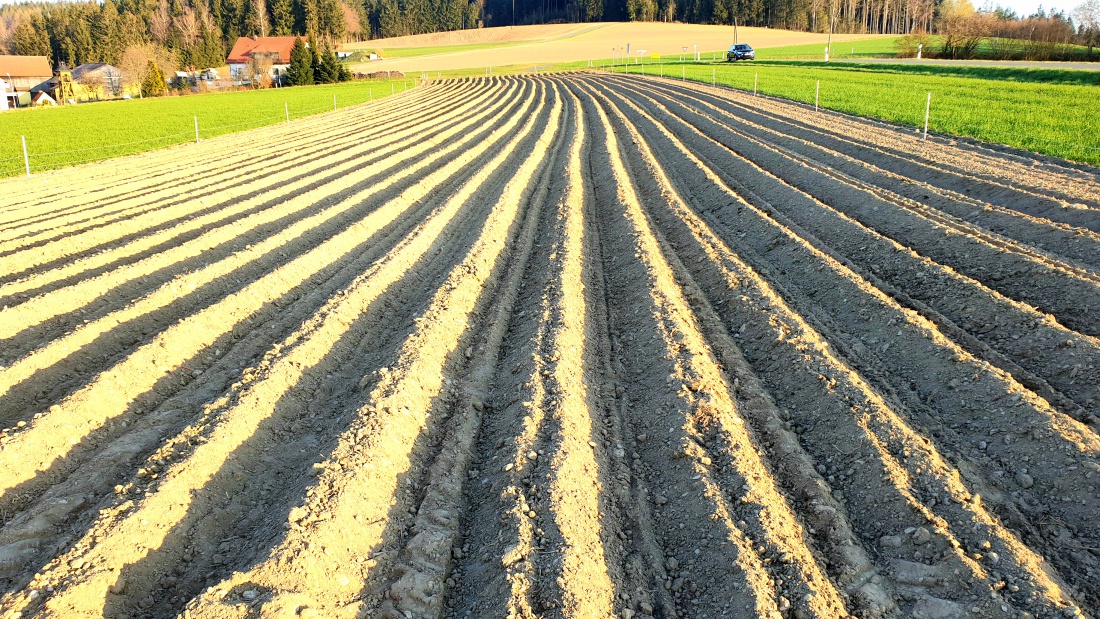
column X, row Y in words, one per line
column 1024, row 8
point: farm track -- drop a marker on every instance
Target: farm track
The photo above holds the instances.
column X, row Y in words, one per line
column 562, row 346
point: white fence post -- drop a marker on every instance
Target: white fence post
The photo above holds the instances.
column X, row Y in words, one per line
column 393, row 90
column 683, row 74
column 26, row 159
column 333, row 103
column 927, row 109
column 713, row 79
column 196, row 130
column 286, row 108
column 817, row 94
column 755, row 81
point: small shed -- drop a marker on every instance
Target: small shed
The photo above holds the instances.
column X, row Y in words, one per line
column 42, row 99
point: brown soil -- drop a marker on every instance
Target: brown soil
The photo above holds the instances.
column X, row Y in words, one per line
column 564, row 346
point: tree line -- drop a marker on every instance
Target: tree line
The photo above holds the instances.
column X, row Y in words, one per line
column 198, row 33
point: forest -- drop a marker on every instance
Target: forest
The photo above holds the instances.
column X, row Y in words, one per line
column 198, row 33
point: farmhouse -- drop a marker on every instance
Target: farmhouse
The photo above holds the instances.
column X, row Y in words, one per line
column 251, row 53
column 24, row 76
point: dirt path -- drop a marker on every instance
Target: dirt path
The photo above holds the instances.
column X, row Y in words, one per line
column 563, row 346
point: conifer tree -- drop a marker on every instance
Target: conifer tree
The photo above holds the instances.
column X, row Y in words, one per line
column 300, row 71
column 153, row 84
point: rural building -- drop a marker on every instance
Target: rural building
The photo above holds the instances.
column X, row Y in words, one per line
column 42, row 99
column 275, row 50
column 97, row 79
column 24, row 75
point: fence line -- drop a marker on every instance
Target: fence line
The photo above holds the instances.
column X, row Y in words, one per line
column 995, row 137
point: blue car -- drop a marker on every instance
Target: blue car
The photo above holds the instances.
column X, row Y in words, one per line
column 740, row 52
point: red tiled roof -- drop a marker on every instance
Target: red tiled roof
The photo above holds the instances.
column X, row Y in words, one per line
column 245, row 47
column 31, row 66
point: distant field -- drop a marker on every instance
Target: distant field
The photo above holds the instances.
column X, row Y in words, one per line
column 885, row 47
column 539, row 46
column 63, row 136
column 882, row 47
column 412, row 52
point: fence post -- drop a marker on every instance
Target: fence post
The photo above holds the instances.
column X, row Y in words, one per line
column 713, row 80
column 372, row 93
column 333, row 103
column 755, row 81
column 26, row 159
column 393, row 90
column 817, row 94
column 196, row 130
column 683, row 74
column 927, row 109
column 286, row 108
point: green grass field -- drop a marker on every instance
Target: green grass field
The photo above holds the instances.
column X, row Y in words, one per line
column 868, row 48
column 1054, row 112
column 69, row 135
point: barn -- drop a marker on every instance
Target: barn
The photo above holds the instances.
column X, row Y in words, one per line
column 24, row 76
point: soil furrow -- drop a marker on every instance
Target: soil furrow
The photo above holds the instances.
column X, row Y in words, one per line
column 22, row 536
column 548, row 347
column 1055, row 191
column 144, row 170
column 17, row 260
column 1075, row 243
column 245, row 411
column 286, row 149
column 930, row 472
column 1041, row 352
column 113, row 392
column 734, row 487
column 265, row 215
column 229, row 203
column 373, row 479
column 1071, row 294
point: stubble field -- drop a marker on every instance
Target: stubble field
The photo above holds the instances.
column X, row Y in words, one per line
column 559, row 346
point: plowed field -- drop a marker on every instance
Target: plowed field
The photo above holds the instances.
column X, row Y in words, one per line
column 575, row 346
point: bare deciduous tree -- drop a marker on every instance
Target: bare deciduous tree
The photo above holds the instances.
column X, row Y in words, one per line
column 160, row 23
column 135, row 61
column 1088, row 23
column 92, row 83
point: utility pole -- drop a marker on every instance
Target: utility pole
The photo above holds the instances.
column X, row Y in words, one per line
column 832, row 26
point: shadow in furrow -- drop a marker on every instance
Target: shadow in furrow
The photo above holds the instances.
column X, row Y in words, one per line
column 204, row 161
column 382, row 327
column 35, row 393
column 321, row 181
column 293, row 161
